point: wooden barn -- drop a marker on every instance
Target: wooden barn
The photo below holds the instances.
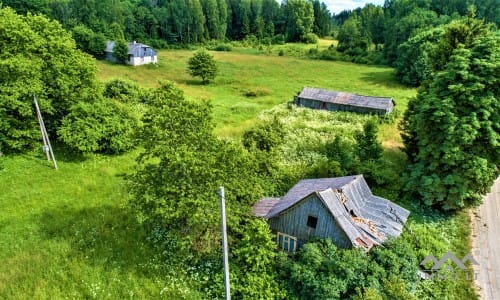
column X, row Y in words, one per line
column 340, row 101
column 342, row 209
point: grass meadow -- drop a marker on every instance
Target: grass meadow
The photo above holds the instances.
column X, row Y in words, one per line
column 247, row 84
column 68, row 234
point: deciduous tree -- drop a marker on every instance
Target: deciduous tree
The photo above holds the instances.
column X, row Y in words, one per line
column 202, row 64
column 452, row 128
column 42, row 59
column 120, row 51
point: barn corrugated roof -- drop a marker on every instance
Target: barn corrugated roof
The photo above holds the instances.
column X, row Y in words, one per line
column 344, row 220
column 366, row 219
column 382, row 103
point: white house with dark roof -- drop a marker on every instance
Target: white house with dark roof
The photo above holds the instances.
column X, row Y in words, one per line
column 341, row 208
column 138, row 53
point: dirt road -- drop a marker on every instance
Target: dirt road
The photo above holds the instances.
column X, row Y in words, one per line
column 486, row 244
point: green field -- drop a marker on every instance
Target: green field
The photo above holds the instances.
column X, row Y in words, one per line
column 274, row 79
column 68, row 233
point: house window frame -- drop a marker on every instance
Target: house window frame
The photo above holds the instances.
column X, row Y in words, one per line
column 285, row 244
column 312, row 219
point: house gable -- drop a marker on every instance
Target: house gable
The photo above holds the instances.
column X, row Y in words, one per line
column 294, row 222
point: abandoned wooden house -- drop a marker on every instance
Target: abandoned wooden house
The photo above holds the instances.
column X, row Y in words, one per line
column 342, row 209
column 138, row 54
column 340, row 101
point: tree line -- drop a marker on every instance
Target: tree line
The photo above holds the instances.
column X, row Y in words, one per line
column 395, row 30
column 185, row 21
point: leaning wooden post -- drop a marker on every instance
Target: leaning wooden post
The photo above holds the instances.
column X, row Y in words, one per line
column 47, row 147
column 224, row 242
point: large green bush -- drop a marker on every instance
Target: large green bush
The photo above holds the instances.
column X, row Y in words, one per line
column 125, row 91
column 451, row 129
column 103, row 126
column 39, row 58
column 203, row 65
column 320, row 270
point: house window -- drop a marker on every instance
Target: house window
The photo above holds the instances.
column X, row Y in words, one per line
column 312, row 221
column 286, row 242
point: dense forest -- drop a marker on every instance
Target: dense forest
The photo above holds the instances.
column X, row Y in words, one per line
column 164, row 23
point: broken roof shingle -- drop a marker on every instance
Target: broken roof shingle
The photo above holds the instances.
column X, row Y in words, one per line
column 306, row 187
column 366, row 219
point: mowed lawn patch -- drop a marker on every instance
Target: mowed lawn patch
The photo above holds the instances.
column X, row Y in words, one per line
column 249, row 84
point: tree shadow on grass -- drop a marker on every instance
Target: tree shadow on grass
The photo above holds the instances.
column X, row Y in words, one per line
column 383, row 78
column 63, row 153
column 105, row 236
column 196, row 82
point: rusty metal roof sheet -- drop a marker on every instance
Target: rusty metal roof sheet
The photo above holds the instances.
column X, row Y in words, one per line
column 383, row 103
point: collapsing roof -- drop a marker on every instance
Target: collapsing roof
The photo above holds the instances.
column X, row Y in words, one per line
column 366, row 219
column 344, row 101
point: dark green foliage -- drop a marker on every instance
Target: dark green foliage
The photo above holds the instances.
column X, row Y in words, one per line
column 102, row 126
column 299, row 19
column 175, row 184
column 120, row 51
column 89, row 41
column 406, row 21
column 253, row 262
column 451, row 130
column 202, row 64
column 353, row 38
column 311, row 38
column 42, row 59
column 413, row 66
column 182, row 166
column 323, row 21
column 264, row 137
column 124, row 91
column 322, row 271
column 458, row 33
column 368, row 146
column 372, row 20
column 342, row 151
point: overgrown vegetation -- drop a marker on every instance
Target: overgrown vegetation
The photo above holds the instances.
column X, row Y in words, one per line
column 451, row 129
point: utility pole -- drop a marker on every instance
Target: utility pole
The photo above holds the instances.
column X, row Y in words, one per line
column 224, row 242
column 47, row 148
